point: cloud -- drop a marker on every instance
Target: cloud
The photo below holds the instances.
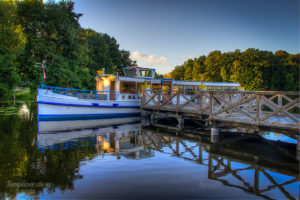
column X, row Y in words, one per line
column 191, row 57
column 162, row 60
column 152, row 59
column 137, row 55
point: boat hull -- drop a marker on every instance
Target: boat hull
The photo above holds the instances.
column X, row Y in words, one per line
column 56, row 107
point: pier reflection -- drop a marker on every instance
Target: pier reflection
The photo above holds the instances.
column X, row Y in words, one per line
column 268, row 169
column 265, row 174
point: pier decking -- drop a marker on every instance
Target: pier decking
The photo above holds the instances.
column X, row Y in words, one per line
column 273, row 109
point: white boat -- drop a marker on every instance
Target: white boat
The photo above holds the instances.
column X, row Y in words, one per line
column 115, row 97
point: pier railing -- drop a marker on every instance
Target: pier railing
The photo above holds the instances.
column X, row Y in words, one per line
column 92, row 94
column 263, row 108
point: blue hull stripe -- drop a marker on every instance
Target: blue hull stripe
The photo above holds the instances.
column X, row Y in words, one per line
column 86, row 116
column 93, row 105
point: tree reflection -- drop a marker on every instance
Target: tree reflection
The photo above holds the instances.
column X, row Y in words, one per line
column 23, row 168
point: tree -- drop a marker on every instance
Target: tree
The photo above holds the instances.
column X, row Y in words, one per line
column 188, row 73
column 11, row 46
column 199, row 69
column 213, row 66
column 168, row 75
column 157, row 75
column 254, row 69
column 178, row 72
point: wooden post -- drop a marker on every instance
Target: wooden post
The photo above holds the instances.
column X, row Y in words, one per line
column 210, row 167
column 200, row 153
column 256, row 180
column 279, row 100
column 230, row 102
column 180, row 121
column 298, row 148
column 177, row 147
column 178, row 99
column 228, row 164
column 200, row 102
column 258, row 108
column 159, row 99
column 214, row 135
column 211, row 105
column 142, row 99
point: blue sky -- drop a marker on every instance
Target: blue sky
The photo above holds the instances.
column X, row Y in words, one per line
column 164, row 33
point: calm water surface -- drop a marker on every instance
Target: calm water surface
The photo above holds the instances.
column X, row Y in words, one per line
column 132, row 161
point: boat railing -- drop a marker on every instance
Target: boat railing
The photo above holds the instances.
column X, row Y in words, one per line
column 92, row 94
column 79, row 93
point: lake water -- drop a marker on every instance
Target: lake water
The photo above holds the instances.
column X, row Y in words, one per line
column 137, row 161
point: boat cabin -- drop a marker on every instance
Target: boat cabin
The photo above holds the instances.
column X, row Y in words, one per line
column 129, row 87
column 139, row 72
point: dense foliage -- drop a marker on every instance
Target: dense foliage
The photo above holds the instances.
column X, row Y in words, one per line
column 253, row 68
column 32, row 31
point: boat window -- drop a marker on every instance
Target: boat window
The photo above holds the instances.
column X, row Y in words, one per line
column 99, row 85
column 128, row 87
column 140, row 87
column 177, row 88
column 226, row 88
column 130, row 72
column 218, row 88
column 156, row 86
column 210, row 87
column 189, row 90
column 146, row 73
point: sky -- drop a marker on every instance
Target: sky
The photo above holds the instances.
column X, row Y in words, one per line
column 164, row 33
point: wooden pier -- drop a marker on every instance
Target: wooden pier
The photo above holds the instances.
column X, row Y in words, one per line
column 274, row 109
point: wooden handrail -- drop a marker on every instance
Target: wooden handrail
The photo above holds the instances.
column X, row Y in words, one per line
column 254, row 107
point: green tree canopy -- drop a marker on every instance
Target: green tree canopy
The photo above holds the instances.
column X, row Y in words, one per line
column 254, row 69
column 33, row 32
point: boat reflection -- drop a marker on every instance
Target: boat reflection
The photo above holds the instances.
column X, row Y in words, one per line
column 70, row 125
column 268, row 169
column 114, row 140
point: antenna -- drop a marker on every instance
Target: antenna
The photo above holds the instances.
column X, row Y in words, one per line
column 43, row 66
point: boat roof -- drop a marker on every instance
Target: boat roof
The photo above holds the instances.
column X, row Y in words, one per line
column 131, row 67
column 175, row 82
column 221, row 84
column 128, row 78
column 198, row 83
